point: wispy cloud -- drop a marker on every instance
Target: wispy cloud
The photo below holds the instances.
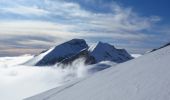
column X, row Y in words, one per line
column 24, row 11
column 61, row 20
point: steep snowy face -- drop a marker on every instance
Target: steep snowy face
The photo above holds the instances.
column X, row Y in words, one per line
column 62, row 52
column 107, row 52
column 37, row 58
column 100, row 52
column 69, row 51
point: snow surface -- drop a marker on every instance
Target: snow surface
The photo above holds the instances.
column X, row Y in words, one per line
column 76, row 48
column 136, row 55
column 106, row 52
column 37, row 58
column 144, row 78
column 59, row 53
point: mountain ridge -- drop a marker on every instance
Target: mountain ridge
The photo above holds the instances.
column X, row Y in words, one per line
column 69, row 51
column 160, row 47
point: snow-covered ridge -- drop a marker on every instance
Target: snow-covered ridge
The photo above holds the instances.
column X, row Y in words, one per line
column 59, row 53
column 107, row 52
column 76, row 48
column 160, row 47
column 37, row 58
column 144, row 78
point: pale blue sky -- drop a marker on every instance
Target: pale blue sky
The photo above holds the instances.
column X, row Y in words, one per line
column 29, row 26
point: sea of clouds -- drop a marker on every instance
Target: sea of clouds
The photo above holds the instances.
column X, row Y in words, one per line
column 18, row 81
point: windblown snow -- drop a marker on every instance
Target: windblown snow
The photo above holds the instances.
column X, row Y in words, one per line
column 144, row 78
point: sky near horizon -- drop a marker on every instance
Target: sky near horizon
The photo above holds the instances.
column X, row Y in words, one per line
column 29, row 26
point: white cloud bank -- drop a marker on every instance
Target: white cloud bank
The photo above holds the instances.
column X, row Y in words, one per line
column 18, row 81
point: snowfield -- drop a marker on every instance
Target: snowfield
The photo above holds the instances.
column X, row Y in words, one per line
column 144, row 78
column 136, row 55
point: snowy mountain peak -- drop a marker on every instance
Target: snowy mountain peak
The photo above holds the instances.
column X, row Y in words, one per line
column 76, row 48
column 106, row 52
column 102, row 45
column 60, row 52
column 78, row 42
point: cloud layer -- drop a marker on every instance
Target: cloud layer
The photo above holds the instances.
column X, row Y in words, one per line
column 31, row 80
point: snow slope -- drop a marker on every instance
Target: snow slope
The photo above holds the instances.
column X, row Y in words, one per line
column 136, row 55
column 37, row 58
column 106, row 52
column 59, row 53
column 168, row 44
column 144, row 78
